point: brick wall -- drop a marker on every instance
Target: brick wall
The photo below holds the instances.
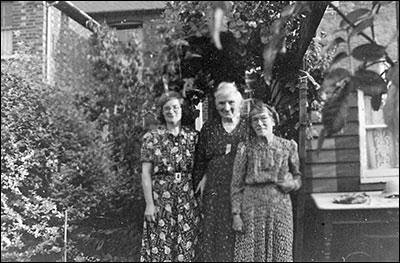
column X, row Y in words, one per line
column 28, row 20
column 62, row 43
column 68, row 49
column 28, row 25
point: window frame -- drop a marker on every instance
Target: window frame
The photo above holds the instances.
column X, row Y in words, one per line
column 379, row 175
column 6, row 17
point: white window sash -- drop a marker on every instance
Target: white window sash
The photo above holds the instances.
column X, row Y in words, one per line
column 6, row 42
column 370, row 175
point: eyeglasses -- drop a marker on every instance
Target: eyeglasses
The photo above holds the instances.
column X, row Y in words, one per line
column 175, row 108
column 263, row 119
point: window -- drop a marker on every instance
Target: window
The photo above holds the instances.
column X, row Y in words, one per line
column 6, row 28
column 379, row 148
column 126, row 29
column 125, row 35
column 6, row 14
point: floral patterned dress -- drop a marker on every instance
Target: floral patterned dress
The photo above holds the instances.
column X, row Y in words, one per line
column 265, row 209
column 214, row 157
column 174, row 235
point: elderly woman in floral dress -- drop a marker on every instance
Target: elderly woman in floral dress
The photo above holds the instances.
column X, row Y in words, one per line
column 215, row 153
column 170, row 228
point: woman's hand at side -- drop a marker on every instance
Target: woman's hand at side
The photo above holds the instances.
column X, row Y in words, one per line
column 287, row 184
column 150, row 213
column 237, row 224
column 201, row 186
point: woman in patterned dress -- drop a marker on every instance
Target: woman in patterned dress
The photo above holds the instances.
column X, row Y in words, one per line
column 266, row 169
column 215, row 153
column 170, row 228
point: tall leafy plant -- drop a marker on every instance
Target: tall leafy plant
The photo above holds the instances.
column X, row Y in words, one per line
column 120, row 102
column 340, row 82
column 52, row 161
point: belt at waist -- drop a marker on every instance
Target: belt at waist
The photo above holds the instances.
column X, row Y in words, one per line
column 176, row 176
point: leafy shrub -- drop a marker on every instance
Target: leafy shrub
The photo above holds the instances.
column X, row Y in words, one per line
column 30, row 219
column 52, row 160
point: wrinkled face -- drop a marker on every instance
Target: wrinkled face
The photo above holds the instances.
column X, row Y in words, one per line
column 172, row 111
column 262, row 124
column 228, row 106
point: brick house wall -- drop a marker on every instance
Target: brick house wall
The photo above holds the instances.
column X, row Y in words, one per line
column 62, row 43
column 68, row 48
column 28, row 25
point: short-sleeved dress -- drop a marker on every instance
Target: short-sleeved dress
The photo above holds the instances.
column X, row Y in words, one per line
column 215, row 154
column 265, row 209
column 174, row 235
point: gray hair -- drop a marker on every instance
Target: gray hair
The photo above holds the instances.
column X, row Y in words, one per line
column 225, row 88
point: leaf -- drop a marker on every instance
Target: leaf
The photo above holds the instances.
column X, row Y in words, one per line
column 391, row 107
column 335, row 111
column 220, row 7
column 264, row 35
column 368, row 52
column 311, row 79
column 334, row 78
column 391, row 110
column 353, row 17
column 190, row 55
column 224, row 5
column 181, row 42
column 334, row 115
column 269, row 57
column 361, row 26
column 321, row 139
column 376, row 102
column 269, row 54
column 381, row 2
column 339, row 57
column 218, row 20
column 370, row 82
column 332, row 45
column 288, row 10
column 393, row 74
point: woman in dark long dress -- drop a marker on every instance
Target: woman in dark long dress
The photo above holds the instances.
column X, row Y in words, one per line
column 266, row 169
column 215, row 153
column 170, row 228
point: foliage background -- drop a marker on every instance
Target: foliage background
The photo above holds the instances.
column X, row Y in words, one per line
column 52, row 161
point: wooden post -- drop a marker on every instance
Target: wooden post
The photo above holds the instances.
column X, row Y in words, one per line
column 299, row 222
column 65, row 235
column 397, row 19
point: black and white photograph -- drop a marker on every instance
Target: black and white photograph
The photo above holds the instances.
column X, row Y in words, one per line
column 200, row 131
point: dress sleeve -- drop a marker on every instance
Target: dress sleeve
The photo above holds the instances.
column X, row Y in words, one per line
column 294, row 162
column 200, row 161
column 238, row 177
column 147, row 150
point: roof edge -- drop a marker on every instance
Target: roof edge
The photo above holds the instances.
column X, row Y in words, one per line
column 75, row 13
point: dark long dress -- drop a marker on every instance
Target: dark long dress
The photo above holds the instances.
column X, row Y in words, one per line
column 215, row 154
column 174, row 235
column 265, row 209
